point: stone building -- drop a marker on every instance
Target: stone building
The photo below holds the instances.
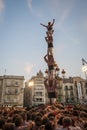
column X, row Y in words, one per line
column 80, row 89
column 74, row 90
column 35, row 92
column 69, row 90
column 11, row 90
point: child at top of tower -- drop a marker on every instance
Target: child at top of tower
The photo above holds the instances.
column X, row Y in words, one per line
column 49, row 27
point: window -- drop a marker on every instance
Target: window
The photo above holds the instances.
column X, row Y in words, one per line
column 8, row 91
column 8, row 83
column 66, row 94
column 15, row 99
column 71, row 93
column 71, row 87
column 66, row 87
column 16, row 82
column 67, row 100
column 39, row 100
column 16, row 91
column 38, row 93
column 8, row 99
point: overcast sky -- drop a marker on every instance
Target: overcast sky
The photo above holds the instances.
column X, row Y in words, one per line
column 22, row 43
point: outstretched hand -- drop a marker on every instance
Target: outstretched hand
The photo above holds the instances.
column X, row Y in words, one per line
column 53, row 20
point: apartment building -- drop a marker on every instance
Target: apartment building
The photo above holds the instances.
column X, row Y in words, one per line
column 74, row 90
column 11, row 90
column 35, row 92
column 80, row 89
column 68, row 90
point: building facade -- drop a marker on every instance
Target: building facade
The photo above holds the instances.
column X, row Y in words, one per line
column 80, row 89
column 35, row 92
column 72, row 90
column 69, row 90
column 11, row 90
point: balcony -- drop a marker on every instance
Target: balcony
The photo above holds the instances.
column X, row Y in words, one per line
column 68, row 87
column 39, row 95
column 11, row 93
column 39, row 88
column 11, row 101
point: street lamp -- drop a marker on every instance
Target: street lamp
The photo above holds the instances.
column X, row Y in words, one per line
column 63, row 73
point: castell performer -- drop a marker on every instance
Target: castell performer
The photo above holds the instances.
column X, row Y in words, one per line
column 49, row 27
column 51, row 82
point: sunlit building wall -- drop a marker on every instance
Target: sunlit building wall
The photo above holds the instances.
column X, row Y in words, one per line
column 83, row 89
column 35, row 92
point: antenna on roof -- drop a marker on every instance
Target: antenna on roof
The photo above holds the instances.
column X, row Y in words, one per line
column 5, row 71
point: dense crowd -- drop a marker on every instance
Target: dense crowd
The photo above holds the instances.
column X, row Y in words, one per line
column 44, row 117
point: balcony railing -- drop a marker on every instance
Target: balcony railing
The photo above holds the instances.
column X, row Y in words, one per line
column 11, row 93
column 12, row 84
column 11, row 101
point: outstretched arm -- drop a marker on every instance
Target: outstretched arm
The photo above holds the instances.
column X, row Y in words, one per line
column 53, row 22
column 45, row 58
column 43, row 25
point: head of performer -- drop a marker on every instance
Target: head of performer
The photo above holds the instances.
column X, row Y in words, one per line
column 49, row 23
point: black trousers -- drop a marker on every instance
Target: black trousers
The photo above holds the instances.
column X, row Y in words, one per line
column 52, row 95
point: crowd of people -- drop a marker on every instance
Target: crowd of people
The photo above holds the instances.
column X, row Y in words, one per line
column 44, row 117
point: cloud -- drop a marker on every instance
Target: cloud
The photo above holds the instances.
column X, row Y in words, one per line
column 1, row 6
column 34, row 12
column 65, row 14
column 28, row 67
column 30, row 4
column 1, row 9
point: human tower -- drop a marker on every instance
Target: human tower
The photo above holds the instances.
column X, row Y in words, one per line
column 51, row 81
